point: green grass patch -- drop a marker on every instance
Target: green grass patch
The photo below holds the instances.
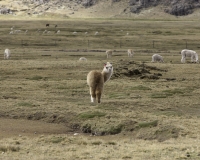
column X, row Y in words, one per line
column 169, row 113
column 112, row 143
column 36, row 78
column 88, row 115
column 119, row 95
column 140, row 87
column 25, row 104
column 127, row 157
column 108, row 107
column 167, row 93
column 159, row 95
column 97, row 143
column 148, row 124
column 174, row 91
column 57, row 139
column 157, row 32
column 9, row 148
column 115, row 129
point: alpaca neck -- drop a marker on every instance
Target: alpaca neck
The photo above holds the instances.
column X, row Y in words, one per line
column 106, row 76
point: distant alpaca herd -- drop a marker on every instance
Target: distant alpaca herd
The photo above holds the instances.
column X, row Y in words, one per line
column 158, row 58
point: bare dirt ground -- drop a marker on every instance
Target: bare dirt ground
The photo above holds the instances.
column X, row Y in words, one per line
column 21, row 127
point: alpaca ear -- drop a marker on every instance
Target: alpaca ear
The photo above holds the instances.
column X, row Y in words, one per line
column 104, row 64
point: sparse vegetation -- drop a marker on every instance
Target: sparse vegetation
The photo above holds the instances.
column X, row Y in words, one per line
column 135, row 114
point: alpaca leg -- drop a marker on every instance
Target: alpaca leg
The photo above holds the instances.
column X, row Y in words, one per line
column 98, row 96
column 192, row 59
column 93, row 95
column 92, row 99
column 183, row 60
column 98, row 92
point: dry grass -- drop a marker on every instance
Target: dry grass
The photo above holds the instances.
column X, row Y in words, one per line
column 111, row 147
column 43, row 80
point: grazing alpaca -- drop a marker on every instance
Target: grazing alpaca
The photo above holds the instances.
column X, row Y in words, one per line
column 96, row 80
column 189, row 53
column 109, row 53
column 130, row 53
column 157, row 58
column 7, row 54
column 82, row 59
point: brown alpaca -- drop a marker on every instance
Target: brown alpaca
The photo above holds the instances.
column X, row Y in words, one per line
column 96, row 80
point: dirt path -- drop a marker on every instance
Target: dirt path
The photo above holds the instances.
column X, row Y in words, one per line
column 20, row 127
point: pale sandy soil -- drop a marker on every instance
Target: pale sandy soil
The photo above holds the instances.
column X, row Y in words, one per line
column 21, row 127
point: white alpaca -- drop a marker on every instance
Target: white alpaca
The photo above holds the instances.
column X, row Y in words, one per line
column 7, row 54
column 96, row 80
column 82, row 59
column 130, row 53
column 17, row 31
column 45, row 31
column 12, row 28
column 109, row 53
column 189, row 53
column 157, row 58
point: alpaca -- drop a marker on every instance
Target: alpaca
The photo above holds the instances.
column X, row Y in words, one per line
column 109, row 53
column 82, row 59
column 157, row 58
column 96, row 80
column 7, row 54
column 130, row 53
column 189, row 53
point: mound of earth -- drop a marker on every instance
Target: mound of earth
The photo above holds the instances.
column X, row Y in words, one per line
column 133, row 69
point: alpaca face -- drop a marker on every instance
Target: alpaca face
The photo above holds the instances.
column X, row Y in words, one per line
column 108, row 68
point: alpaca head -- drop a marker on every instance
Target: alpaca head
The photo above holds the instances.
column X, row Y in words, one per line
column 108, row 68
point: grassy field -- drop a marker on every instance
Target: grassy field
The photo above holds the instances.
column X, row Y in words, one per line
column 44, row 84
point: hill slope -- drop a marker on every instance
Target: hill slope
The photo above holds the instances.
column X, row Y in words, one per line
column 99, row 8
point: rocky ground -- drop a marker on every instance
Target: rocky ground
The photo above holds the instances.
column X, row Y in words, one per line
column 97, row 8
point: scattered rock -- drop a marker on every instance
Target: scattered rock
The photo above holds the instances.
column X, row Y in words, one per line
column 88, row 3
column 174, row 7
